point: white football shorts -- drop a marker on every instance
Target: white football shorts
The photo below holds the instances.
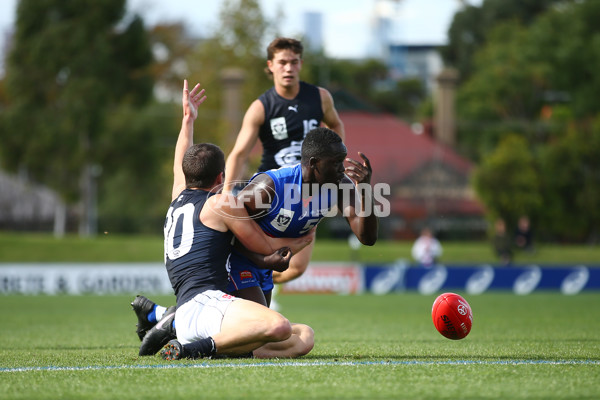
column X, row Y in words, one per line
column 201, row 317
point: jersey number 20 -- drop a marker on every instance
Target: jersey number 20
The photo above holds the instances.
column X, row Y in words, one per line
column 179, row 221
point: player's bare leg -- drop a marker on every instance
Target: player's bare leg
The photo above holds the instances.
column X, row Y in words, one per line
column 247, row 326
column 300, row 343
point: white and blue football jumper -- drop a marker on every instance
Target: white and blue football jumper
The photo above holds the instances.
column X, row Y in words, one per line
column 295, row 209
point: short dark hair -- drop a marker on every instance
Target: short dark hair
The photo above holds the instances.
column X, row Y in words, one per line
column 317, row 143
column 282, row 43
column 202, row 164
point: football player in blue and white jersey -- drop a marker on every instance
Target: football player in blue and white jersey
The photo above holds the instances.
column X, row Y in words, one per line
column 289, row 201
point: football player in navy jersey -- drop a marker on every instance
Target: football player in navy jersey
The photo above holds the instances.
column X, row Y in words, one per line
column 198, row 230
column 291, row 201
column 281, row 117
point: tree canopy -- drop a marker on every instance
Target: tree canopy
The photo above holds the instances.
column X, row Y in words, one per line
column 538, row 81
column 71, row 63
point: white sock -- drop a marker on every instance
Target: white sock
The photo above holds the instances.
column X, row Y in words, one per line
column 160, row 311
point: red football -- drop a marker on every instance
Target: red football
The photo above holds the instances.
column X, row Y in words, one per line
column 452, row 316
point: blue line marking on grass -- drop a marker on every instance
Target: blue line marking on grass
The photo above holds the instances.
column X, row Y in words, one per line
column 303, row 364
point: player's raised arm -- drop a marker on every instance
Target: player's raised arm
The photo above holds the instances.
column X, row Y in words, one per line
column 190, row 101
column 363, row 222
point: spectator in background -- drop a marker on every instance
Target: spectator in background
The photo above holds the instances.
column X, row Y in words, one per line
column 427, row 249
column 524, row 235
column 502, row 242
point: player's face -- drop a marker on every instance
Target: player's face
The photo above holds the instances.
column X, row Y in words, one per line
column 330, row 169
column 285, row 67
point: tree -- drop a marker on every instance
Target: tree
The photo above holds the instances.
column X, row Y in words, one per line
column 239, row 42
column 511, row 80
column 368, row 80
column 540, row 82
column 71, row 65
column 570, row 183
column 507, row 181
column 470, row 27
column 402, row 99
column 134, row 188
column 567, row 40
column 171, row 45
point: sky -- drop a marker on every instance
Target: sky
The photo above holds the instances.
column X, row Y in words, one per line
column 346, row 23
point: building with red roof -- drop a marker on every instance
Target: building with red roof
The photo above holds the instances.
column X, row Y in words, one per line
column 429, row 182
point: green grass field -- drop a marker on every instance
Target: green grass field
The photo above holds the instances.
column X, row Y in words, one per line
column 27, row 247
column 540, row 346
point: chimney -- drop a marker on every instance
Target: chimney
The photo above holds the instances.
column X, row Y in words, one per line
column 232, row 79
column 445, row 115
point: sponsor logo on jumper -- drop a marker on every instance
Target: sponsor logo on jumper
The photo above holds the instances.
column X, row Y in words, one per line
column 282, row 220
column 293, row 108
column 279, row 128
column 245, row 275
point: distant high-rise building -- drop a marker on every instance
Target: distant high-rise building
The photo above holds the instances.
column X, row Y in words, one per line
column 313, row 31
column 404, row 60
column 422, row 61
column 384, row 28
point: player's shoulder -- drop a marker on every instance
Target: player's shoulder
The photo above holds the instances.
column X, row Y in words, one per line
column 306, row 87
column 256, row 104
column 324, row 93
column 262, row 179
column 267, row 95
column 288, row 171
column 256, row 111
column 214, row 209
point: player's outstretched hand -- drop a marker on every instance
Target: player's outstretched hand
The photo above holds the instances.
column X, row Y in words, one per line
column 280, row 260
column 191, row 100
column 359, row 172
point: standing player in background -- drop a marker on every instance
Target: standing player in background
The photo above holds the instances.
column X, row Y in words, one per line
column 281, row 117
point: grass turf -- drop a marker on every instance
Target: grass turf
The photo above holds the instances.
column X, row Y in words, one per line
column 17, row 247
column 372, row 347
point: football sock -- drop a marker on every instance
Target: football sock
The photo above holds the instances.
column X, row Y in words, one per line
column 200, row 348
column 156, row 314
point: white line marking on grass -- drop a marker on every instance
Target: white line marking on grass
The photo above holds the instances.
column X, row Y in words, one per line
column 304, row 364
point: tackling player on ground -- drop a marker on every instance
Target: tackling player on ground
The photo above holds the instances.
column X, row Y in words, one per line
column 198, row 230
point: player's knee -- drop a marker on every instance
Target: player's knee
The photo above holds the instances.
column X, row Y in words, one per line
column 279, row 329
column 307, row 342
